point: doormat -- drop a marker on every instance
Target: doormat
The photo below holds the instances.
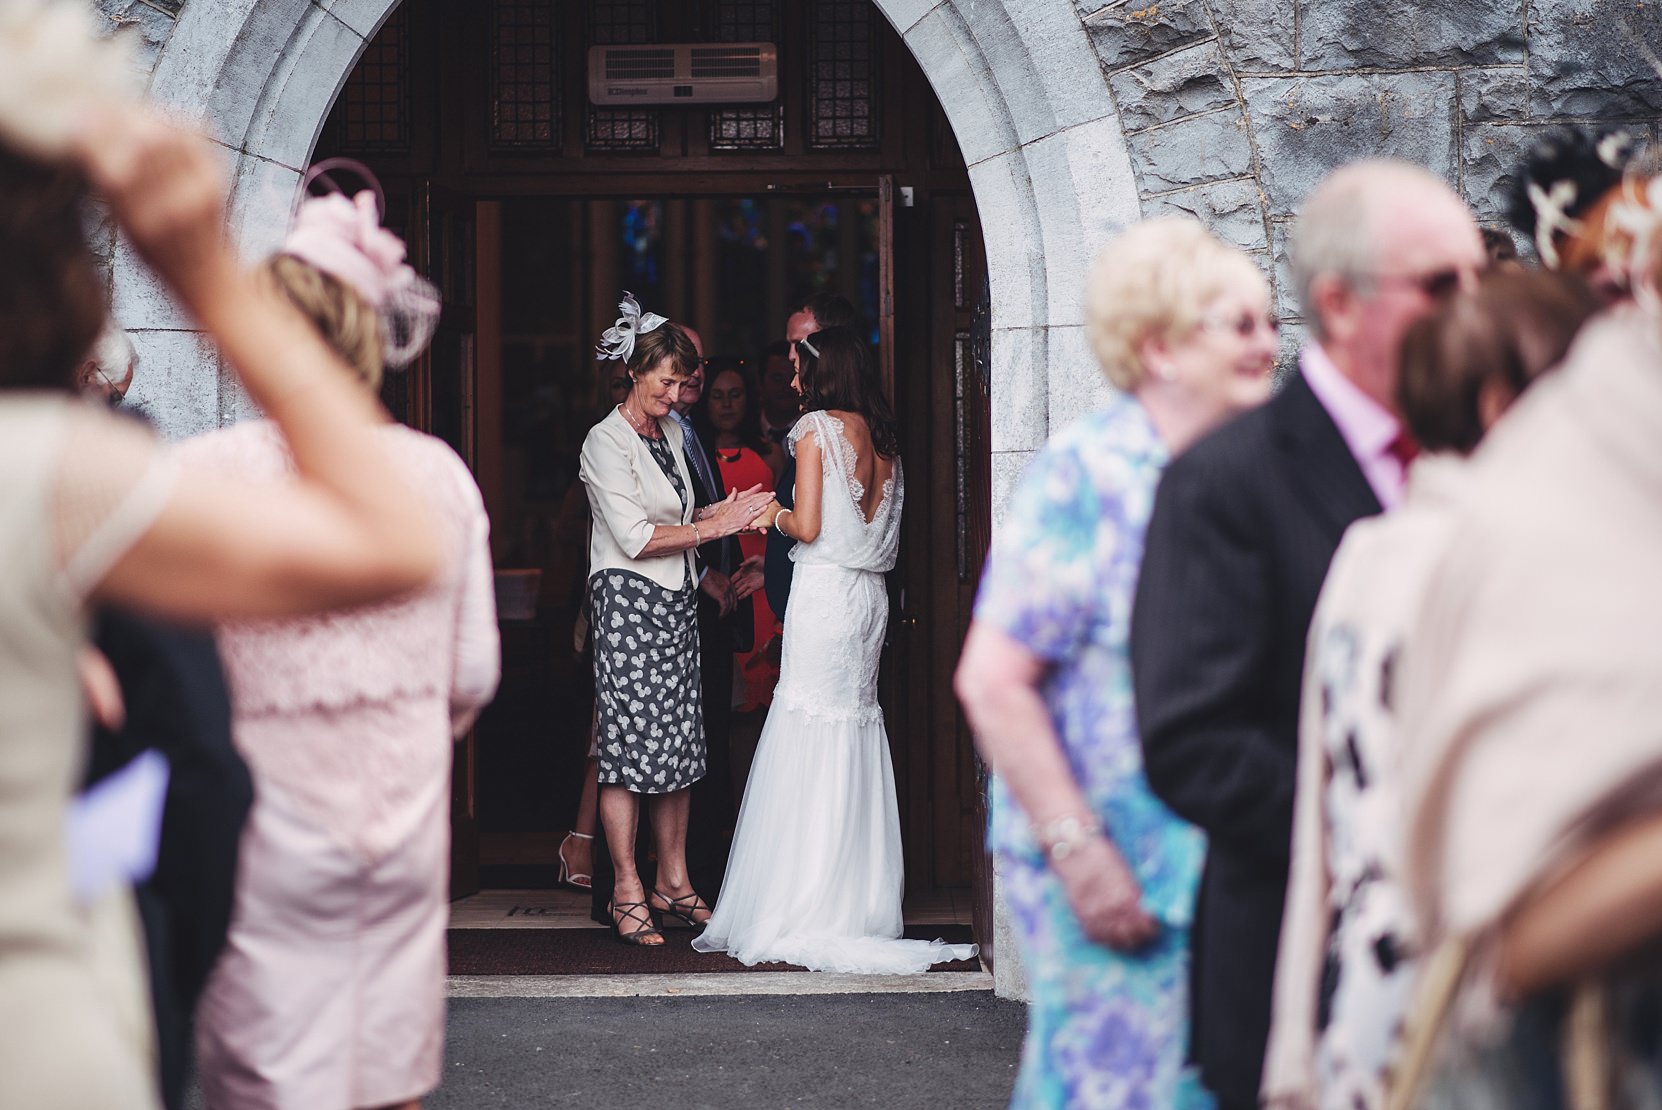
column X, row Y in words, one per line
column 595, row 952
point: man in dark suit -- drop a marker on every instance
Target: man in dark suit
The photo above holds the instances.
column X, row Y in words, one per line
column 176, row 703
column 1244, row 525
column 817, row 313
column 724, row 626
column 172, row 700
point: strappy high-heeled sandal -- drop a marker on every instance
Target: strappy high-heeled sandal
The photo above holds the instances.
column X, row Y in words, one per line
column 582, row 880
column 677, row 908
column 638, row 912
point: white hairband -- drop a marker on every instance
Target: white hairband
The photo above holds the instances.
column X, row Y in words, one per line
column 810, row 347
column 618, row 341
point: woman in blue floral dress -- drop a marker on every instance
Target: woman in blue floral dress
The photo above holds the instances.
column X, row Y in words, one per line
column 1099, row 874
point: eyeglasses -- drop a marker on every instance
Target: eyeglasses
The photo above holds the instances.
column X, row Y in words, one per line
column 1244, row 325
column 1438, row 285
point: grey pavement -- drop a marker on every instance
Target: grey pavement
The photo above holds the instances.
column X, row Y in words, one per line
column 956, row 1050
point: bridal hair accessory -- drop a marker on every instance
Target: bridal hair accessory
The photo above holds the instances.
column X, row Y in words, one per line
column 809, row 347
column 54, row 68
column 344, row 239
column 1636, row 249
column 1562, row 177
column 618, row 341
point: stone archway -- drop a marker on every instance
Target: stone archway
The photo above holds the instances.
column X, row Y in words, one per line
column 1027, row 98
column 1073, row 118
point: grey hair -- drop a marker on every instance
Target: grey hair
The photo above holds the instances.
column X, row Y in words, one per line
column 112, row 352
column 1337, row 233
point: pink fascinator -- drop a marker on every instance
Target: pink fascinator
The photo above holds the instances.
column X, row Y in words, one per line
column 344, row 239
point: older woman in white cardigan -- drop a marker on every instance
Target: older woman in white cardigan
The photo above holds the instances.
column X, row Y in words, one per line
column 643, row 575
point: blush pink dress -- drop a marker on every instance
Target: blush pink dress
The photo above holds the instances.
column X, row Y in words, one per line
column 331, row 989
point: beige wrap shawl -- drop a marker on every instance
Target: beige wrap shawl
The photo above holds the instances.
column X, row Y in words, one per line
column 1531, row 711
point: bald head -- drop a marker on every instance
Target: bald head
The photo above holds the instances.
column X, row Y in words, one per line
column 1377, row 244
column 1353, row 217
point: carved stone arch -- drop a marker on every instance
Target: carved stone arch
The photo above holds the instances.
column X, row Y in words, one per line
column 1021, row 84
column 1026, row 97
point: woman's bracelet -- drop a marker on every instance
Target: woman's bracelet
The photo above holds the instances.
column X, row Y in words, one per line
column 777, row 527
column 1064, row 836
column 697, row 539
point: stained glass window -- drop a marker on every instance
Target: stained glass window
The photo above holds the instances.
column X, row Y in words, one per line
column 642, row 228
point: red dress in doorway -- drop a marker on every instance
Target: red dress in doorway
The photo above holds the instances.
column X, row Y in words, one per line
column 757, row 668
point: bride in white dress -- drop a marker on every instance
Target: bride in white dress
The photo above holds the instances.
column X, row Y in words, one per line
column 815, row 876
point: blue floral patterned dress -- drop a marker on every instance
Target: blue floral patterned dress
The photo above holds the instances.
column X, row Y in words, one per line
column 1105, row 1028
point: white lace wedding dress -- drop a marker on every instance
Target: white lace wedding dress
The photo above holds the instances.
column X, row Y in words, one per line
column 815, row 876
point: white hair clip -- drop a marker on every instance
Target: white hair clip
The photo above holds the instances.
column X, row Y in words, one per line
column 809, row 347
column 618, row 341
column 1615, row 149
column 1551, row 217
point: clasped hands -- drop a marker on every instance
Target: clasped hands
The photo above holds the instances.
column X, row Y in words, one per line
column 737, row 512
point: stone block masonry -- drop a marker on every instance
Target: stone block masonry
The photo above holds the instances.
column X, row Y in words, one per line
column 1234, row 109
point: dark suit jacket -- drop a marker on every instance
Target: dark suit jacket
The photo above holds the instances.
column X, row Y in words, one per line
column 177, row 703
column 710, row 823
column 1245, row 524
column 777, row 566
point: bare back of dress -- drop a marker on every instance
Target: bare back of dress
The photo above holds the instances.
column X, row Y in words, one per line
column 839, row 611
column 847, row 538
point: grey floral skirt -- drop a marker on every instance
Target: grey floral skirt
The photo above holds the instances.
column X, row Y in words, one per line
column 647, row 686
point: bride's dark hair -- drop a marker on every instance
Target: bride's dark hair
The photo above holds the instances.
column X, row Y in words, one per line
column 836, row 373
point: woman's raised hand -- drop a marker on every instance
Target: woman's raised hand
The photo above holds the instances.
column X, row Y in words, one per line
column 166, row 188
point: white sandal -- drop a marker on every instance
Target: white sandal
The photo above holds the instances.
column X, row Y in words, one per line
column 582, row 880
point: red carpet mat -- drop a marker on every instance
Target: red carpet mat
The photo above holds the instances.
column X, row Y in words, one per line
column 595, row 952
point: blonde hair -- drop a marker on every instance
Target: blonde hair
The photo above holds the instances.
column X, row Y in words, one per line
column 341, row 315
column 1153, row 281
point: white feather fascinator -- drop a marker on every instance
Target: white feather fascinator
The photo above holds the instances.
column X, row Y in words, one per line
column 54, row 67
column 618, row 341
column 1635, row 250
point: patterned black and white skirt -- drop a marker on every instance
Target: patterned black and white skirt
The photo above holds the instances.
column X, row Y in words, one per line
column 647, row 687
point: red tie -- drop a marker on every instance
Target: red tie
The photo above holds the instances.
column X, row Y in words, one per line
column 1404, row 448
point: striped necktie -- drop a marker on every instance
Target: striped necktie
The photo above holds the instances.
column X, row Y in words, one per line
column 696, row 456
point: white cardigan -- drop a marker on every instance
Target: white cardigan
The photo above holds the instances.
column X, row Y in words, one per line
column 629, row 496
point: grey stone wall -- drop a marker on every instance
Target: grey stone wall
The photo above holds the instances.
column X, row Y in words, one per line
column 1233, row 109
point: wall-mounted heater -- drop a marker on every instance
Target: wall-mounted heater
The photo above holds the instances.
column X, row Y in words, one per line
column 684, row 73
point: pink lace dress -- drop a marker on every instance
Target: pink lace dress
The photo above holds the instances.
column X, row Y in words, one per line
column 331, row 988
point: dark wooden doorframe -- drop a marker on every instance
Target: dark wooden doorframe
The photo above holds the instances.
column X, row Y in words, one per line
column 938, row 273
column 444, row 390
column 931, row 255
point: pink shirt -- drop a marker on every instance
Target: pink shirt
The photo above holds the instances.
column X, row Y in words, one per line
column 1368, row 428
